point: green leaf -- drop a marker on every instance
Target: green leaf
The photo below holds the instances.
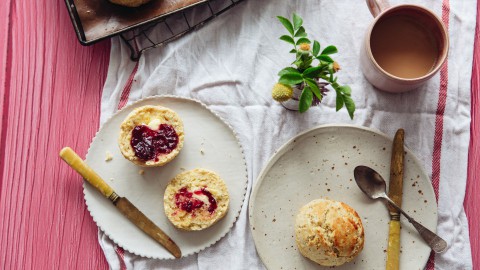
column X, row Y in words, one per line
column 325, row 58
column 301, row 32
column 312, row 72
column 293, row 51
column 308, row 62
column 330, row 71
column 304, row 64
column 297, row 21
column 288, row 70
column 330, row 50
column 286, row 23
column 288, row 39
column 316, row 48
column 346, row 90
column 291, row 78
column 323, row 63
column 339, row 101
column 297, row 63
column 350, row 106
column 315, row 89
column 306, row 99
column 303, row 40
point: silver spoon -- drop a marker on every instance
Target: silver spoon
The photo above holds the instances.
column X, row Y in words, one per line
column 372, row 184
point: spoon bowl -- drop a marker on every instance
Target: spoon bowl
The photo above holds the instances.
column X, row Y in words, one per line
column 370, row 182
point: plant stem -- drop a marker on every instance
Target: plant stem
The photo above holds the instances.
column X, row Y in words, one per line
column 334, row 84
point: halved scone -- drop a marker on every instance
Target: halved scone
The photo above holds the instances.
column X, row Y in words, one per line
column 196, row 199
column 151, row 136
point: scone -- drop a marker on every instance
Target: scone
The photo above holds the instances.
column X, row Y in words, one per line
column 196, row 199
column 151, row 136
column 130, row 3
column 329, row 233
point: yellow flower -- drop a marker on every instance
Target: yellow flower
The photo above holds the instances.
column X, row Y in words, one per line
column 336, row 66
column 282, row 92
column 304, row 47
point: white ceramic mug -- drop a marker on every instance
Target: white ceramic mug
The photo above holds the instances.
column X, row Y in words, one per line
column 375, row 73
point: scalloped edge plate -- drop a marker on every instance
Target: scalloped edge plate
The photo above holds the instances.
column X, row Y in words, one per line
column 210, row 143
column 319, row 163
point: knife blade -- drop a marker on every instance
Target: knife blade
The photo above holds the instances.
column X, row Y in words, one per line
column 395, row 192
column 123, row 204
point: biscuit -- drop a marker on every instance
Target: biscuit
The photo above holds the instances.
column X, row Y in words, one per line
column 196, row 199
column 329, row 233
column 129, row 3
column 151, row 136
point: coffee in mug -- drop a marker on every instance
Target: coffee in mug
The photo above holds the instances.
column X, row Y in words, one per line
column 404, row 47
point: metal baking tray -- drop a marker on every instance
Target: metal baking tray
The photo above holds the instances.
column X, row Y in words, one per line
column 95, row 20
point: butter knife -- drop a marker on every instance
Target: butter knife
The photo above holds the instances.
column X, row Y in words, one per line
column 395, row 192
column 123, row 204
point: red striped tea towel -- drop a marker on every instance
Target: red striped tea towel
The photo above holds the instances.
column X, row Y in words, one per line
column 231, row 65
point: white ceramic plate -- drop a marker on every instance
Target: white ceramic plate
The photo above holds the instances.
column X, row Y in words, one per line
column 209, row 143
column 319, row 163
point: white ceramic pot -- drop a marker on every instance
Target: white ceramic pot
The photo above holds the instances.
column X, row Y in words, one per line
column 292, row 104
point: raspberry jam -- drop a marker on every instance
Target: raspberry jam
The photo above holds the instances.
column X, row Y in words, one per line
column 148, row 143
column 184, row 200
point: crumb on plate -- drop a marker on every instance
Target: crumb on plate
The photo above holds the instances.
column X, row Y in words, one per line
column 108, row 156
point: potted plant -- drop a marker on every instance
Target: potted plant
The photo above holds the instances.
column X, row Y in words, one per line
column 305, row 82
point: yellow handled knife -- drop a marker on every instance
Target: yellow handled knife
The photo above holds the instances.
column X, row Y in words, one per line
column 395, row 192
column 123, row 204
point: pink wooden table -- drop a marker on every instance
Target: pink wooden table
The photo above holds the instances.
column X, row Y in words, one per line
column 50, row 89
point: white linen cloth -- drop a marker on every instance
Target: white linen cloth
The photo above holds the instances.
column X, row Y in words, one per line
column 231, row 65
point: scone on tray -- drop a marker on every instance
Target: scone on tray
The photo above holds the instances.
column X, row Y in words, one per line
column 129, row 3
column 151, row 136
column 329, row 233
column 195, row 200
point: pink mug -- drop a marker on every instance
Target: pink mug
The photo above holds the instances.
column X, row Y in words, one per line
column 404, row 46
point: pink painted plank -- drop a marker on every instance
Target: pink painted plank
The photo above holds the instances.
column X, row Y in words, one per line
column 4, row 59
column 472, row 196
column 51, row 89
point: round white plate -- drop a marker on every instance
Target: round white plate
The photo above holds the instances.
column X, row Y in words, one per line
column 319, row 163
column 209, row 143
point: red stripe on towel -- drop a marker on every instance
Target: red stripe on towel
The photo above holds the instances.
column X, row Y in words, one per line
column 126, row 89
column 121, row 255
column 123, row 101
column 437, row 141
